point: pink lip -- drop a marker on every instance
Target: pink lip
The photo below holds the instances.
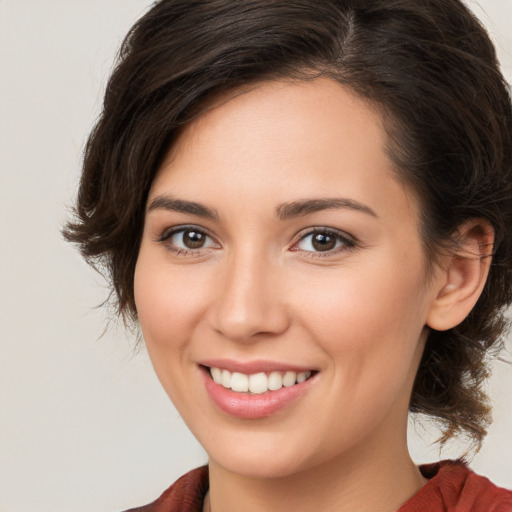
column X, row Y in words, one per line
column 249, row 367
column 248, row 406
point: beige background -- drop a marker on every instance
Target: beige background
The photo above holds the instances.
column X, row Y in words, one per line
column 84, row 425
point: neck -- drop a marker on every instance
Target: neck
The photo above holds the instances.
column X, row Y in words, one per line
column 365, row 483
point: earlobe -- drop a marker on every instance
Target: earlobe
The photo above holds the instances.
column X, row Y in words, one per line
column 462, row 275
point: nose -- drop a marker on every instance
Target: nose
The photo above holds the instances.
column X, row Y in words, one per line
column 250, row 300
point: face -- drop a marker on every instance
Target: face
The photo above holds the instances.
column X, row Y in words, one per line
column 281, row 255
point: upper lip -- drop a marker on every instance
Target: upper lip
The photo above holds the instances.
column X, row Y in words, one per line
column 255, row 366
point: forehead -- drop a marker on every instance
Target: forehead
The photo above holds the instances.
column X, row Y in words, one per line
column 321, row 100
column 295, row 138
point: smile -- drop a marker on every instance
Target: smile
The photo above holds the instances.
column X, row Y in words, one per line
column 257, row 383
column 258, row 389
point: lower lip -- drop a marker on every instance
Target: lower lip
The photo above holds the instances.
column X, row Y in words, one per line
column 246, row 406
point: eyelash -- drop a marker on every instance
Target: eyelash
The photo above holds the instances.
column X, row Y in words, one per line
column 166, row 236
column 346, row 241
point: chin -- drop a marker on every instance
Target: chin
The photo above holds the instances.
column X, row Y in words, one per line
column 259, row 468
column 261, row 459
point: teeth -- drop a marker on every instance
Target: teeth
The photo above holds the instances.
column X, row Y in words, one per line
column 289, row 379
column 301, row 377
column 257, row 383
column 226, row 379
column 239, row 382
column 275, row 381
column 216, row 374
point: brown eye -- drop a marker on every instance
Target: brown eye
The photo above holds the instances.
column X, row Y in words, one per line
column 193, row 239
column 188, row 239
column 323, row 241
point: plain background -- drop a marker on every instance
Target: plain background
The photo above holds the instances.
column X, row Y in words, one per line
column 84, row 424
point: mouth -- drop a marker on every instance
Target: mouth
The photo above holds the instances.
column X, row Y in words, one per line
column 256, row 389
column 257, row 383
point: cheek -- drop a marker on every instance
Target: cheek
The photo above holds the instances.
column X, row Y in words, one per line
column 374, row 317
column 167, row 303
column 370, row 329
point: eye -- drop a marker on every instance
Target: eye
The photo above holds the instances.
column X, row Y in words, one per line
column 185, row 239
column 323, row 240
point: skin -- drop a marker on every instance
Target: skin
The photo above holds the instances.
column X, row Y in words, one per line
column 257, row 289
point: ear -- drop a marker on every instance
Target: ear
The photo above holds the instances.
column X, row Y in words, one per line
column 462, row 275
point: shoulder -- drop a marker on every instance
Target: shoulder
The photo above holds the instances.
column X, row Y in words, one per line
column 453, row 486
column 184, row 495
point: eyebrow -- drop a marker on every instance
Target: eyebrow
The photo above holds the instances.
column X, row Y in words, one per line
column 172, row 204
column 308, row 206
column 284, row 211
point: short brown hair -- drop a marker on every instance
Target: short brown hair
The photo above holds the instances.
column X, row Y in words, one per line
column 431, row 69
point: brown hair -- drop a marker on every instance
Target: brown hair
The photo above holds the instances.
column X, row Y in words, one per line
column 431, row 69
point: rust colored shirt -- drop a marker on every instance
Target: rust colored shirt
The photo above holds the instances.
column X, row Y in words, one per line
column 452, row 487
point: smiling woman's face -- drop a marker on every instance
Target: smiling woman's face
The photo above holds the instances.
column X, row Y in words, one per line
column 279, row 246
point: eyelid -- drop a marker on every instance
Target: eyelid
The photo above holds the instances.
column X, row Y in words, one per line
column 167, row 232
column 349, row 242
column 170, row 231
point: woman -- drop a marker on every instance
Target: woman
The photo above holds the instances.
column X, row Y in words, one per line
column 307, row 207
